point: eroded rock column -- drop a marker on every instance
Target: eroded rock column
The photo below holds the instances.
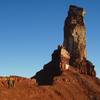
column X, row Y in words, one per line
column 75, row 35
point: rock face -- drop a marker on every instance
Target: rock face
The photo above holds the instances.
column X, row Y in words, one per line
column 75, row 40
column 63, row 57
column 73, row 51
column 75, row 34
column 59, row 63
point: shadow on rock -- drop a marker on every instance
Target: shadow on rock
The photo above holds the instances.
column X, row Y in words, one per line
column 46, row 75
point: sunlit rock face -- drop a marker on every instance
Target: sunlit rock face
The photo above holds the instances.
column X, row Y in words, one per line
column 75, row 34
column 58, row 64
column 72, row 54
column 64, row 58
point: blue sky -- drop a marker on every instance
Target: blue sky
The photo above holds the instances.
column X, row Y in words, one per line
column 30, row 30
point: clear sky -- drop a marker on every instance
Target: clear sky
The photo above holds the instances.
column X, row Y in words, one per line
column 30, row 30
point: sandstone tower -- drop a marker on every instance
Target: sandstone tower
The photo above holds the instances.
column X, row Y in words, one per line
column 70, row 55
column 75, row 35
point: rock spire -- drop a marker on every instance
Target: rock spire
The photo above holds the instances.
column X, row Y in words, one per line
column 75, row 34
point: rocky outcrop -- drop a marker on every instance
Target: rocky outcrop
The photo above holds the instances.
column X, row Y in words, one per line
column 75, row 40
column 71, row 53
column 75, row 34
column 63, row 57
column 12, row 81
column 59, row 63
